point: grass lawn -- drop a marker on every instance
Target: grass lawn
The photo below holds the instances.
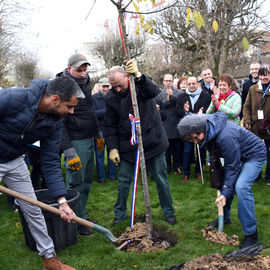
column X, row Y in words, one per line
column 194, row 208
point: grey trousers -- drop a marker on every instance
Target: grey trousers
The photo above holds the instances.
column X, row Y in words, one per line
column 16, row 177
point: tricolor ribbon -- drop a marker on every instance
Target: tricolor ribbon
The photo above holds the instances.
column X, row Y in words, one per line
column 133, row 141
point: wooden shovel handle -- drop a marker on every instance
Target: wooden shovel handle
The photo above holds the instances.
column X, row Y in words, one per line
column 44, row 206
column 220, row 204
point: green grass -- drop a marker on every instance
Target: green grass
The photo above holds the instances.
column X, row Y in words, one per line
column 194, row 208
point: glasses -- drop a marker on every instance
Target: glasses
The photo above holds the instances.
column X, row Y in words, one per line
column 167, row 81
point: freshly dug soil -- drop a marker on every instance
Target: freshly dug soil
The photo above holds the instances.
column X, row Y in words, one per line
column 210, row 234
column 134, row 239
column 217, row 262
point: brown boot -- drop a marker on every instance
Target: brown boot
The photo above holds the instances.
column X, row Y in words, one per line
column 185, row 179
column 55, row 263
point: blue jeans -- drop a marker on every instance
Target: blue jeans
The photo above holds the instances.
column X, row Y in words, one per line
column 101, row 172
column 243, row 190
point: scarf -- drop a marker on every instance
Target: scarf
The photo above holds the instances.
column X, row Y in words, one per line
column 224, row 96
column 194, row 96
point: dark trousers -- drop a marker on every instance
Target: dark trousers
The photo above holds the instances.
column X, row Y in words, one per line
column 173, row 151
column 157, row 167
column 187, row 158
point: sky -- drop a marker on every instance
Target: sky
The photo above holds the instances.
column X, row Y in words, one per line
column 56, row 28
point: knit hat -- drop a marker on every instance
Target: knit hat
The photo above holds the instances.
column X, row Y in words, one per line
column 192, row 123
column 104, row 81
column 77, row 59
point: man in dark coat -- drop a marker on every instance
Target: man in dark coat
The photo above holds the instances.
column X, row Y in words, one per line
column 208, row 83
column 100, row 109
column 193, row 100
column 118, row 129
column 27, row 116
column 244, row 156
column 252, row 79
column 79, row 131
column 168, row 98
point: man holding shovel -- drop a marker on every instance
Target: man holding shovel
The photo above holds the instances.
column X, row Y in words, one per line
column 30, row 115
column 118, row 135
column 244, row 156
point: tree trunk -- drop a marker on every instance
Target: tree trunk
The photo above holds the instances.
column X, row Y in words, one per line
column 139, row 133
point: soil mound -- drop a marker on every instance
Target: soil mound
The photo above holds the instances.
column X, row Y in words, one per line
column 217, row 262
column 134, row 239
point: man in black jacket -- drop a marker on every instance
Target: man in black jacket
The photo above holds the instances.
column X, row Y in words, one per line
column 78, row 135
column 208, row 83
column 118, row 129
column 252, row 79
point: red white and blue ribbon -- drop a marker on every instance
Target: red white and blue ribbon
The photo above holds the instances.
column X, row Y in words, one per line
column 133, row 141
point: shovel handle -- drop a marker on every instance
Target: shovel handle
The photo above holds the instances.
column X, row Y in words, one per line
column 44, row 206
column 220, row 205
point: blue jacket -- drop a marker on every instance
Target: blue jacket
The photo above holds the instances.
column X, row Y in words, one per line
column 100, row 109
column 235, row 144
column 18, row 109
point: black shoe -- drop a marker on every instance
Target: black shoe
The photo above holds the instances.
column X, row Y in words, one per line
column 118, row 220
column 92, row 220
column 83, row 230
column 267, row 181
column 171, row 220
column 250, row 240
column 214, row 223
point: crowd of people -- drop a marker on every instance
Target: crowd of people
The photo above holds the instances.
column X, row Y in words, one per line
column 66, row 116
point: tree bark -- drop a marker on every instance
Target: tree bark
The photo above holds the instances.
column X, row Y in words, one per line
column 148, row 214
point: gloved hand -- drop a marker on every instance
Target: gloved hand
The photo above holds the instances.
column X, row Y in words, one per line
column 132, row 69
column 73, row 160
column 114, row 156
column 100, row 144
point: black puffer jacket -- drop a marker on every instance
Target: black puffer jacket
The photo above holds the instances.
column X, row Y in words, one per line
column 117, row 123
column 83, row 123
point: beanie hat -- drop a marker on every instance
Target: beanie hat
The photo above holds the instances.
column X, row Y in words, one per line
column 77, row 59
column 192, row 123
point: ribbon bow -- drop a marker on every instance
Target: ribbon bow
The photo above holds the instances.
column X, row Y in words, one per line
column 133, row 123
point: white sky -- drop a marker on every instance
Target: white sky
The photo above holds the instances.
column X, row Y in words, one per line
column 58, row 27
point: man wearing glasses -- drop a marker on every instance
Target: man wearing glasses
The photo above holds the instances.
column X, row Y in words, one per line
column 168, row 99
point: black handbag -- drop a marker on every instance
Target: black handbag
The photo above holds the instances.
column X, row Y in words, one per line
column 216, row 169
column 264, row 126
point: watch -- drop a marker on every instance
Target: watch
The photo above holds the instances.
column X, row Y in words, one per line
column 62, row 201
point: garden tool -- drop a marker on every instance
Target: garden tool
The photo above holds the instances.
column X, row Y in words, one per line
column 220, row 214
column 200, row 162
column 56, row 211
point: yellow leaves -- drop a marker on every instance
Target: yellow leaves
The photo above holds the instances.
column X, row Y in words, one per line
column 196, row 17
column 137, row 8
column 138, row 29
column 215, row 25
column 245, row 43
column 188, row 16
column 147, row 25
column 199, row 21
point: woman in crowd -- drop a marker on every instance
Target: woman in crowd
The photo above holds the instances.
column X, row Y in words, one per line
column 182, row 83
column 226, row 100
